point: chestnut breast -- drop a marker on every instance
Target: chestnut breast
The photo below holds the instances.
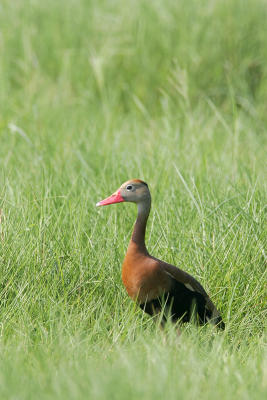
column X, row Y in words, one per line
column 143, row 277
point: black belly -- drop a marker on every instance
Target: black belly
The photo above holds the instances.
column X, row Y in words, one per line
column 180, row 304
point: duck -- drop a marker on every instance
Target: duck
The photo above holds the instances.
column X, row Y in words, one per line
column 159, row 288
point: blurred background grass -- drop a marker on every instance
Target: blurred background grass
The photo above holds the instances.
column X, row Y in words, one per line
column 92, row 94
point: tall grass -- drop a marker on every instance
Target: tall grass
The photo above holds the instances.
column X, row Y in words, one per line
column 95, row 93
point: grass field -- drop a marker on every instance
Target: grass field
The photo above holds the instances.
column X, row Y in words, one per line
column 93, row 93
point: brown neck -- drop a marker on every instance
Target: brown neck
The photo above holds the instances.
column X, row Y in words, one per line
column 138, row 236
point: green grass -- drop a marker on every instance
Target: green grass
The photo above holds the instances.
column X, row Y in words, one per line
column 92, row 94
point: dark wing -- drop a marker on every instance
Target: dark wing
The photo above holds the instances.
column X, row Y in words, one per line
column 188, row 291
column 185, row 298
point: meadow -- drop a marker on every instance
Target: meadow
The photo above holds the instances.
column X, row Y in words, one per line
column 93, row 93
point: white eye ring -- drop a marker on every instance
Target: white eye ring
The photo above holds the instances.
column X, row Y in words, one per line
column 129, row 187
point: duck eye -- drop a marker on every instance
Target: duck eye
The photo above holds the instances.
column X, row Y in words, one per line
column 129, row 187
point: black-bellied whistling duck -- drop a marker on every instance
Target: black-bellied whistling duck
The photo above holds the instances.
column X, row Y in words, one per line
column 153, row 283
